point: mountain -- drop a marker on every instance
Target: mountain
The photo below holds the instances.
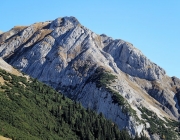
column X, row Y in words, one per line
column 1, row 32
column 30, row 110
column 108, row 75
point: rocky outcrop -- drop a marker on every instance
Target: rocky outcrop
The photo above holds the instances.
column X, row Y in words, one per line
column 130, row 60
column 66, row 55
column 8, row 68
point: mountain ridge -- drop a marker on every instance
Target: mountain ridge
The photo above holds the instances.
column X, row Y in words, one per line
column 66, row 55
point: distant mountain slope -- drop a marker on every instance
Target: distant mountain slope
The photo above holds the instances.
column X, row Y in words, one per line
column 107, row 75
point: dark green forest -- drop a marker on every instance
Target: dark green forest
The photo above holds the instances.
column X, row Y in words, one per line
column 31, row 110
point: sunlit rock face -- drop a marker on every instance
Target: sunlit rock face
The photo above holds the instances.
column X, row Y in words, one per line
column 66, row 55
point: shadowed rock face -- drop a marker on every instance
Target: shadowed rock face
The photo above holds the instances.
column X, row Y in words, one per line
column 65, row 55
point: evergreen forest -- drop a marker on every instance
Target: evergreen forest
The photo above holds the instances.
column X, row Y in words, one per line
column 31, row 110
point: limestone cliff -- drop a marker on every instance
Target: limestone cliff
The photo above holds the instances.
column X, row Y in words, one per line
column 74, row 60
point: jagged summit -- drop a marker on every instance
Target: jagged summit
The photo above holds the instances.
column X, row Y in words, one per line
column 93, row 69
column 65, row 21
column 127, row 58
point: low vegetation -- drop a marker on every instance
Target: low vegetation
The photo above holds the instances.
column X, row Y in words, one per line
column 103, row 79
column 168, row 130
column 30, row 110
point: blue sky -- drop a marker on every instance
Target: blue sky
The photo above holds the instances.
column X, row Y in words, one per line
column 151, row 26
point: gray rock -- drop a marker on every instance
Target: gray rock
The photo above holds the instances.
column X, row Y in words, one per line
column 65, row 55
column 130, row 60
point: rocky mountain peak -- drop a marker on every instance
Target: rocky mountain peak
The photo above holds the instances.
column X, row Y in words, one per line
column 103, row 73
column 65, row 21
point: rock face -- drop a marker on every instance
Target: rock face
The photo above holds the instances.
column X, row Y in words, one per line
column 8, row 68
column 66, row 55
column 130, row 60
